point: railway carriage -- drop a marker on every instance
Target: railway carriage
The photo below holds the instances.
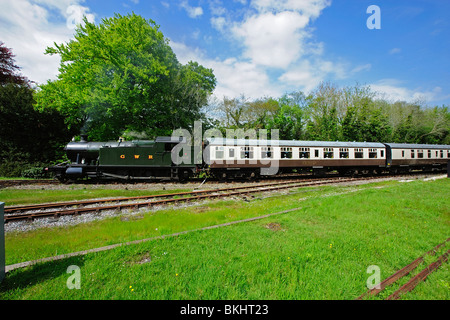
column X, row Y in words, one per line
column 405, row 157
column 248, row 158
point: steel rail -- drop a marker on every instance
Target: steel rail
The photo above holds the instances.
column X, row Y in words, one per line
column 411, row 284
column 209, row 194
column 42, row 206
column 400, row 273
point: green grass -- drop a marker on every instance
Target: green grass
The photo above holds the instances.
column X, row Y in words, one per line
column 321, row 251
column 12, row 196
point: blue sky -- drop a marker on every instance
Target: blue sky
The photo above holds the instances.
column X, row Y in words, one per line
column 263, row 48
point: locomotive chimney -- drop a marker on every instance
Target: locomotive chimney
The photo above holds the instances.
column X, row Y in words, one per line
column 83, row 138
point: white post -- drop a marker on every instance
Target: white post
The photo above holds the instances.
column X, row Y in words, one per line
column 2, row 242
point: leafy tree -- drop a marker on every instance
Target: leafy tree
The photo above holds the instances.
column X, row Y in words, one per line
column 259, row 112
column 8, row 68
column 436, row 125
column 27, row 137
column 290, row 116
column 121, row 76
column 352, row 113
column 232, row 111
column 288, row 121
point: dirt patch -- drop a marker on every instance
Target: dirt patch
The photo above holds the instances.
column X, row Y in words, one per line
column 132, row 217
column 273, row 226
column 201, row 209
column 141, row 259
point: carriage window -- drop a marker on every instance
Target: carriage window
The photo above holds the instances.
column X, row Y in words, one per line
column 304, row 153
column 436, row 154
column 448, row 154
column 420, row 154
column 328, row 153
column 343, row 153
column 429, row 153
column 231, row 153
column 403, row 153
column 219, row 152
column 286, row 153
column 266, row 152
column 316, row 153
column 358, row 153
column 246, row 152
column 372, row 153
column 442, row 153
column 382, row 153
column 412, row 154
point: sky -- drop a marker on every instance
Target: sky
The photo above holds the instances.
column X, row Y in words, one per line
column 265, row 48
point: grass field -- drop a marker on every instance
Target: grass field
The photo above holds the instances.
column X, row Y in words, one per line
column 23, row 196
column 320, row 251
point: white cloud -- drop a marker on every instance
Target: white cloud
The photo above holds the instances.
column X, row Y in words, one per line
column 393, row 90
column 76, row 13
column 234, row 77
column 218, row 23
column 277, row 34
column 311, row 8
column 193, row 12
column 308, row 74
column 304, row 76
column 272, row 39
column 364, row 67
column 274, row 36
column 395, row 50
column 28, row 28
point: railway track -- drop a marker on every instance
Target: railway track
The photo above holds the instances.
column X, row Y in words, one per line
column 31, row 212
column 414, row 281
column 15, row 183
column 280, row 177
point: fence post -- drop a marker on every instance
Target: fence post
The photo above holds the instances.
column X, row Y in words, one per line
column 2, row 242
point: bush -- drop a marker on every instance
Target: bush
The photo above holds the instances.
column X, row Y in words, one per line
column 17, row 168
column 11, row 168
column 34, row 173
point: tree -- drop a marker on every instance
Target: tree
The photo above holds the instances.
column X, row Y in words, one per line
column 232, row 111
column 323, row 121
column 121, row 76
column 289, row 116
column 8, row 68
column 27, row 137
